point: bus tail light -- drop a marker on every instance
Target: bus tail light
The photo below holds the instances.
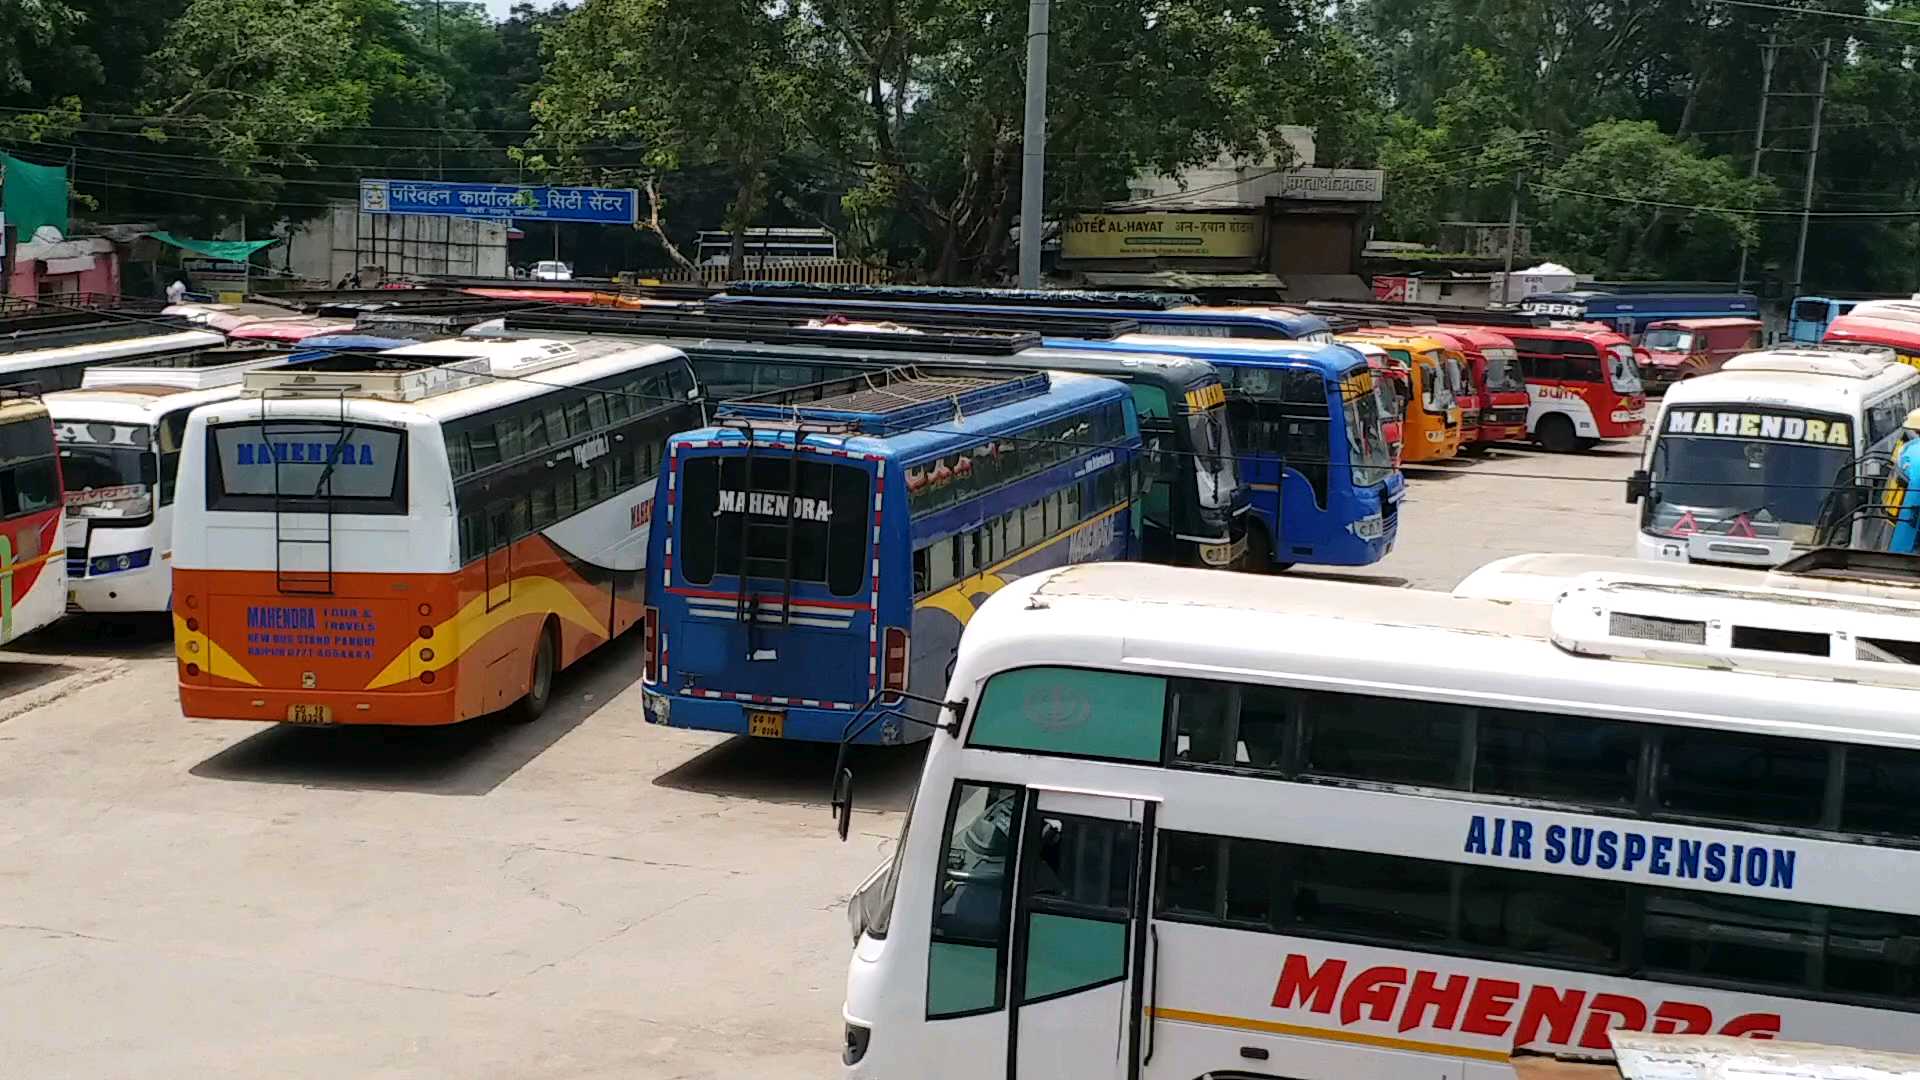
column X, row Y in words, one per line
column 894, row 651
column 650, row 645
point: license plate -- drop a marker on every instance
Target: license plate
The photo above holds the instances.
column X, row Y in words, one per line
column 309, row 714
column 766, row 725
column 1222, row 554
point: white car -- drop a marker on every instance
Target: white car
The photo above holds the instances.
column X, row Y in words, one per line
column 551, row 270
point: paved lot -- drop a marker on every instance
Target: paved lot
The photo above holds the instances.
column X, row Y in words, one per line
column 587, row 897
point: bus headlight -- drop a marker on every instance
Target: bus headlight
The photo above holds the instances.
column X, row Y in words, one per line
column 109, row 564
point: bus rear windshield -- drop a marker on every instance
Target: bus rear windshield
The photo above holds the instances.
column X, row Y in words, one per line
column 352, row 468
column 732, row 527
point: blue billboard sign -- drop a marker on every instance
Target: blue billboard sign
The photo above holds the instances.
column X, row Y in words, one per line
column 600, row 206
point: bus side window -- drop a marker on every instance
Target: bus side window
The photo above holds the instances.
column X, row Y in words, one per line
column 941, row 564
column 1581, row 362
column 171, row 430
column 967, row 950
column 920, row 578
column 1071, row 512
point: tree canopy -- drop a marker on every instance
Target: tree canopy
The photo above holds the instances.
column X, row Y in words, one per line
column 1624, row 128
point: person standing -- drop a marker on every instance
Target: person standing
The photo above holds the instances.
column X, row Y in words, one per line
column 176, row 292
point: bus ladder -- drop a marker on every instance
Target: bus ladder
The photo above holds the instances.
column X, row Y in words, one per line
column 747, row 604
column 286, row 505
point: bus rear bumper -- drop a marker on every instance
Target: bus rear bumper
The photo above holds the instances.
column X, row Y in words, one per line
column 319, row 708
column 771, row 720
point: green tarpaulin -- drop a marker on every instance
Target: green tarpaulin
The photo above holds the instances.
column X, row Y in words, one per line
column 224, row 250
column 33, row 195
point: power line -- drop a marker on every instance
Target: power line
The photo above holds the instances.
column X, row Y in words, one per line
column 1831, row 214
column 1756, row 4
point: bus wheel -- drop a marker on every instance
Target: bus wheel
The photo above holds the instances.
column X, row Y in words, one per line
column 546, row 658
column 1585, row 444
column 1555, row 433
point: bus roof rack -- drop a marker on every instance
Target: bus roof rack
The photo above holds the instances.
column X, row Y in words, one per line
column 1842, row 360
column 1392, row 311
column 202, row 369
column 354, row 373
column 1091, row 326
column 1089, row 299
column 767, row 330
column 57, row 328
column 1854, row 564
column 885, row 402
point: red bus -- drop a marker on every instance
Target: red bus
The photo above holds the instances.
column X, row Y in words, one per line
column 1499, row 393
column 1901, row 336
column 33, row 568
column 1583, row 386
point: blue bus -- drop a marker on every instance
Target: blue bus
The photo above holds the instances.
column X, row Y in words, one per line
column 1165, row 313
column 1311, row 443
column 1809, row 317
column 825, row 544
column 1628, row 313
column 1194, row 508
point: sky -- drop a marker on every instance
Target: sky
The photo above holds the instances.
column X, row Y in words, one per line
column 499, row 8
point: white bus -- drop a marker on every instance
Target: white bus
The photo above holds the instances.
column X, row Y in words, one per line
column 119, row 438
column 1192, row 825
column 51, row 350
column 421, row 535
column 1780, row 451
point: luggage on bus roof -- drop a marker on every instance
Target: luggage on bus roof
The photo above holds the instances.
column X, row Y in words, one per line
column 947, row 294
column 770, row 330
column 890, row 401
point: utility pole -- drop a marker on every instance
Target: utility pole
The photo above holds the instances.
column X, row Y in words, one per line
column 1759, row 140
column 1513, row 229
column 1813, row 163
column 1033, row 164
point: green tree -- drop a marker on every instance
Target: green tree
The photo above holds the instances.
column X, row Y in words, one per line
column 638, row 91
column 1633, row 200
column 1131, row 87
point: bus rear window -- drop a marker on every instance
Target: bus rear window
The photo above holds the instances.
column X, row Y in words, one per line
column 354, row 468
column 732, row 527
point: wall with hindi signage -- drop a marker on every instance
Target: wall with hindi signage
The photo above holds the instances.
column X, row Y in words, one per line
column 1162, row 234
column 600, row 206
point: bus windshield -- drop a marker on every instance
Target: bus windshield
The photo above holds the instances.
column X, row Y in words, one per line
column 1622, row 374
column 1213, row 458
column 1457, row 382
column 1761, row 472
column 1668, row 341
column 1435, row 396
column 737, row 528
column 1503, row 372
column 109, row 481
column 1372, row 458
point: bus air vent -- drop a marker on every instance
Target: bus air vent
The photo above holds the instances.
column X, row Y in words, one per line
column 1759, row 630
column 1655, row 628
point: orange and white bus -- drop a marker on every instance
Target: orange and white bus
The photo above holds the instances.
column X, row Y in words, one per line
column 33, row 573
column 418, row 536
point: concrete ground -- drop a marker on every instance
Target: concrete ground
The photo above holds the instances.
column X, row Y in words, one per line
column 585, row 897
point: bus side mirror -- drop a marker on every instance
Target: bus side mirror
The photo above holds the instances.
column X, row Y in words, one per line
column 1639, row 485
column 843, row 801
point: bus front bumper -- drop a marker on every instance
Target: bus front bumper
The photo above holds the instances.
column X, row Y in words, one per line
column 774, row 720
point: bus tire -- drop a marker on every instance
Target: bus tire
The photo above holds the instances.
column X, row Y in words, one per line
column 1259, row 552
column 1554, row 432
column 546, row 661
column 1585, row 444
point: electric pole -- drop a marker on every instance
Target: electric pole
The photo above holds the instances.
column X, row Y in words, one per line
column 1813, row 163
column 1033, row 164
column 1513, row 230
column 1759, row 140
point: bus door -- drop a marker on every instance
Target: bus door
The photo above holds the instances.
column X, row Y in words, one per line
column 499, row 559
column 1079, row 971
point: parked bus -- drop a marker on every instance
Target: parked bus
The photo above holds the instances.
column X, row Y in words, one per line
column 1312, row 445
column 51, row 350
column 1322, row 830
column 1390, row 394
column 418, row 536
column 1688, row 348
column 1809, row 317
column 1195, row 505
column 1500, row 392
column 1432, row 416
column 1583, row 384
column 1629, row 313
column 1777, row 453
column 33, row 574
column 1458, row 369
column 824, row 543
column 1172, row 313
column 120, row 438
column 1892, row 323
